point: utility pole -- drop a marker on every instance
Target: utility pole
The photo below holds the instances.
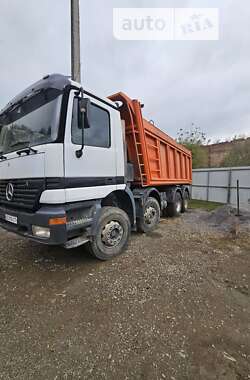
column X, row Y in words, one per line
column 75, row 42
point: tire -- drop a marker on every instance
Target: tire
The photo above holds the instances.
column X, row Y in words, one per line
column 151, row 215
column 112, row 234
column 185, row 200
column 174, row 209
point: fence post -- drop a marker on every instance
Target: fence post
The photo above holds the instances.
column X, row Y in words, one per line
column 238, row 198
column 208, row 183
column 229, row 186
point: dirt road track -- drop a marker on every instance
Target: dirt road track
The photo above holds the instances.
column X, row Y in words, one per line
column 175, row 306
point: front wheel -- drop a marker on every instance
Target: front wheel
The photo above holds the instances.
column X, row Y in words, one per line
column 112, row 234
column 151, row 215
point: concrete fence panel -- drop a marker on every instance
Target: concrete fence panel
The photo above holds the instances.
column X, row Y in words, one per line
column 220, row 185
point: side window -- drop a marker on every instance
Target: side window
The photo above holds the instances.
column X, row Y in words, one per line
column 99, row 132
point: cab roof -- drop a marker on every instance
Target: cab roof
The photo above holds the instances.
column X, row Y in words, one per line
column 56, row 81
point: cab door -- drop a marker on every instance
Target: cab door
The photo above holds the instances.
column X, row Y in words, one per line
column 94, row 174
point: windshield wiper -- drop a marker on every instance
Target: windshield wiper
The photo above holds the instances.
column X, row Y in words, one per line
column 27, row 150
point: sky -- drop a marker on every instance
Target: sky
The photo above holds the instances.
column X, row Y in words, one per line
column 181, row 83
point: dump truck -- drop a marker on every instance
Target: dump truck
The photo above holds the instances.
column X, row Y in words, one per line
column 79, row 169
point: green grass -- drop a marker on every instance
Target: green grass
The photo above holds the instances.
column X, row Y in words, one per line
column 208, row 206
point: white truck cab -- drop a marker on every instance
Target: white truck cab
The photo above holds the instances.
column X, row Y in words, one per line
column 47, row 191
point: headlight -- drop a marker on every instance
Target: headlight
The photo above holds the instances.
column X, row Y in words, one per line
column 41, row 232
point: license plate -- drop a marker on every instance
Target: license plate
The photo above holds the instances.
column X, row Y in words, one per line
column 11, row 219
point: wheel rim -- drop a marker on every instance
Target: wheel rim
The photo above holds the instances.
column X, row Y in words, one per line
column 150, row 215
column 178, row 206
column 112, row 234
column 185, row 204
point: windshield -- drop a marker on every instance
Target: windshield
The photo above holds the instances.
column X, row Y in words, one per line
column 31, row 121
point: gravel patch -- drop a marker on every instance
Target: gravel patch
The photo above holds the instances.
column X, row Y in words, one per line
column 174, row 306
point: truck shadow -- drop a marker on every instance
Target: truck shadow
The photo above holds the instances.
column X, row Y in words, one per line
column 59, row 255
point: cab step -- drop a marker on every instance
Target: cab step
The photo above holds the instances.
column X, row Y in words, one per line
column 76, row 242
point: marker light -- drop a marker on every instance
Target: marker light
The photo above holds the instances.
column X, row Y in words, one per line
column 57, row 221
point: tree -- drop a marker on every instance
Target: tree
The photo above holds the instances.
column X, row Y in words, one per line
column 239, row 155
column 194, row 140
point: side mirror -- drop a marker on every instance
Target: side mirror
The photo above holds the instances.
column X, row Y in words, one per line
column 83, row 113
column 83, row 120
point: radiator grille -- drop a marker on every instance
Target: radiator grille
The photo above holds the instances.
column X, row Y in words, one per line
column 26, row 193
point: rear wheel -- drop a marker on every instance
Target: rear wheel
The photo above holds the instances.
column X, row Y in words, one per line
column 151, row 215
column 174, row 208
column 185, row 202
column 112, row 234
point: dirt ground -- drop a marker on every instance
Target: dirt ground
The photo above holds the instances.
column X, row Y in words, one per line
column 175, row 306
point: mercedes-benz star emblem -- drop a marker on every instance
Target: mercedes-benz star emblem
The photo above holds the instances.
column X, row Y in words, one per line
column 9, row 192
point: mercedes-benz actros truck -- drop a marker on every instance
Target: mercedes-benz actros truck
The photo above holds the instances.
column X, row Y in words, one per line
column 76, row 168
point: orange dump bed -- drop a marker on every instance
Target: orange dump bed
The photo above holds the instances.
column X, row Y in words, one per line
column 156, row 157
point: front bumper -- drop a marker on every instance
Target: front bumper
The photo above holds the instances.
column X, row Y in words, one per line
column 81, row 218
column 25, row 221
